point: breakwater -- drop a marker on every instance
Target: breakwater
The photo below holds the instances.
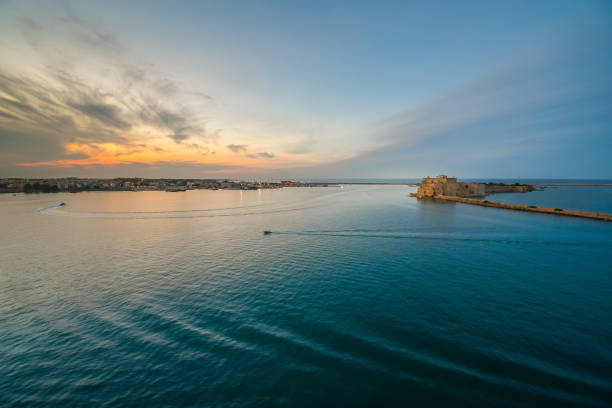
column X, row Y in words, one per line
column 530, row 208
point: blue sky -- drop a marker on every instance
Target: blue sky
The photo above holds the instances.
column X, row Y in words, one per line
column 306, row 89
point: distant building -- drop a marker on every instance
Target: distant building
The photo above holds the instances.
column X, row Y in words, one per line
column 448, row 186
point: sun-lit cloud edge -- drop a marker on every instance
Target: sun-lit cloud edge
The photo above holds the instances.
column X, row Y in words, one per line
column 111, row 110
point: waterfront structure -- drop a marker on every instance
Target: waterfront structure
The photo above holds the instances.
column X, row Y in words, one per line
column 449, row 186
column 444, row 185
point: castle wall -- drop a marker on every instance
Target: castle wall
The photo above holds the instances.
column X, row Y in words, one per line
column 442, row 185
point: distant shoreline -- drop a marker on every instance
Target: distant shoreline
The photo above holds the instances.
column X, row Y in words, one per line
column 243, row 185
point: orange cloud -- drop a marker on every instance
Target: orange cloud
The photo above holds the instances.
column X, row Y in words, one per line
column 113, row 154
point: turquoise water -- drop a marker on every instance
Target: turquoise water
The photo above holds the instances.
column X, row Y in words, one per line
column 361, row 296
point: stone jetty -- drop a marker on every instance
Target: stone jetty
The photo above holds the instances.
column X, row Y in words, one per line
column 531, row 208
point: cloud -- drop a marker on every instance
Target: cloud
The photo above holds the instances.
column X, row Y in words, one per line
column 118, row 93
column 263, row 155
column 106, row 114
column 17, row 145
column 88, row 89
column 536, row 117
column 242, row 148
column 8, row 115
column 304, row 146
column 178, row 137
column 157, row 169
column 237, row 148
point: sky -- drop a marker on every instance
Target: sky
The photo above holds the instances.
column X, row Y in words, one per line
column 284, row 89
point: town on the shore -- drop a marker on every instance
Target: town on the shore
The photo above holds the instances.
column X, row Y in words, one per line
column 75, row 185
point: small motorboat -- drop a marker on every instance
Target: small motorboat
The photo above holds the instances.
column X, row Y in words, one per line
column 61, row 204
column 267, row 232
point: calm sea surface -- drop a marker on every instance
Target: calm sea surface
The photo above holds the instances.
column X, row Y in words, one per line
column 361, row 296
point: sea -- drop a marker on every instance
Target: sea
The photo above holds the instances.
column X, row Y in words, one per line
column 360, row 295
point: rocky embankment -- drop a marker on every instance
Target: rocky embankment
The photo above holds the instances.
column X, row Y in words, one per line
column 530, row 208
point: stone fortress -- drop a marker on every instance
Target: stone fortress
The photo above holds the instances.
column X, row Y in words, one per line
column 449, row 186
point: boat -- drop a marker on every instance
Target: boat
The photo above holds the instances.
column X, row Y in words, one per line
column 267, row 232
column 61, row 204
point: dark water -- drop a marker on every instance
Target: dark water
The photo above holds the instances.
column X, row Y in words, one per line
column 362, row 296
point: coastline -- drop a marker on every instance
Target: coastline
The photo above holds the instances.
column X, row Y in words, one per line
column 449, row 189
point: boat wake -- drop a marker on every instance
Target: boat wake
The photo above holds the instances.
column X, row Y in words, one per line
column 200, row 213
column 50, row 208
column 420, row 235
